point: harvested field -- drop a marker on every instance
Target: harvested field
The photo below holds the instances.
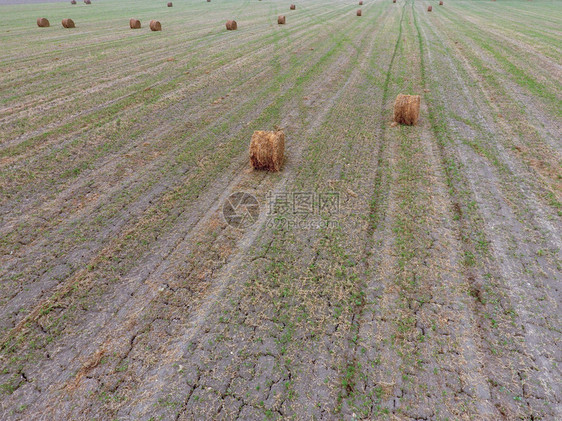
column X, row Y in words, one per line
column 422, row 283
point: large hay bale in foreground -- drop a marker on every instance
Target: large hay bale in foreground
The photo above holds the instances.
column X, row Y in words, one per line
column 155, row 25
column 68, row 23
column 359, row 12
column 281, row 20
column 407, row 109
column 231, row 25
column 135, row 23
column 170, row 4
column 267, row 150
column 43, row 23
column 429, row 8
column 293, row 7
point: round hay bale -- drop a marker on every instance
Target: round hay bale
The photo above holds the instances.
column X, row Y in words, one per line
column 407, row 109
column 72, row 1
column 43, row 23
column 281, row 20
column 68, row 23
column 441, row 3
column 293, row 7
column 393, row 1
column 359, row 12
column 231, row 25
column 135, row 23
column 267, row 150
column 429, row 8
column 360, row 3
column 208, row 1
column 155, row 25
column 170, row 4
column 87, row 2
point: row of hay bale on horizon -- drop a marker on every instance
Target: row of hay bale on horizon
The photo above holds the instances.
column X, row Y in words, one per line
column 90, row 2
column 69, row 23
column 267, row 148
column 154, row 24
column 157, row 26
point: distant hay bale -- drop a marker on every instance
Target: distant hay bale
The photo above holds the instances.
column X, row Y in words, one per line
column 441, row 3
column 72, row 1
column 393, row 1
column 231, row 25
column 293, row 7
column 87, row 2
column 43, row 23
column 170, row 4
column 68, row 23
column 155, row 25
column 208, row 1
column 134, row 24
column 281, row 20
column 360, row 3
column 267, row 150
column 429, row 8
column 407, row 109
column 359, row 12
